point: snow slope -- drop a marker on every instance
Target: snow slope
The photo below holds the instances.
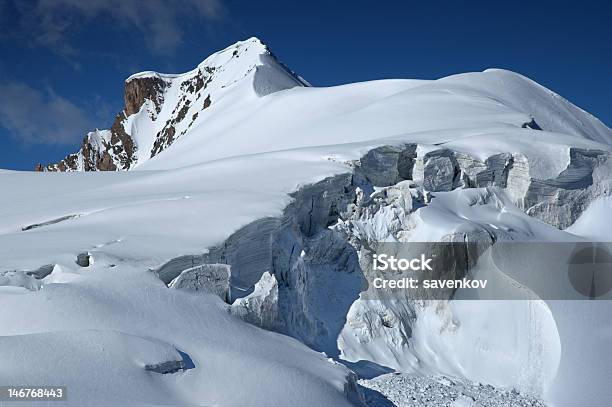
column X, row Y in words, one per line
column 263, row 136
column 96, row 330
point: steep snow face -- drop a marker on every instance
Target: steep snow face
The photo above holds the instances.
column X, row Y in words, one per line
column 160, row 108
column 236, row 75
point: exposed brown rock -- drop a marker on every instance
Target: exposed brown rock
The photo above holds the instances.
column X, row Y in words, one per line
column 123, row 144
column 194, row 84
column 105, row 163
column 119, row 153
column 69, row 163
column 164, row 138
column 137, row 90
column 181, row 114
column 167, row 135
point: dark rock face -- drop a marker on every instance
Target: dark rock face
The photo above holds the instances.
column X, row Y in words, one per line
column 195, row 86
column 118, row 153
column 167, row 135
column 83, row 260
column 164, row 138
column 173, row 104
column 198, row 82
column 137, row 90
column 207, row 102
column 68, row 163
column 122, row 144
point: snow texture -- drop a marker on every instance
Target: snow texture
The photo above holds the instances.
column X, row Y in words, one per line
column 250, row 187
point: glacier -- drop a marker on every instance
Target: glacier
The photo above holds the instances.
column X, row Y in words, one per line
column 237, row 196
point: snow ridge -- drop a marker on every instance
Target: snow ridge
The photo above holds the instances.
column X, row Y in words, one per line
column 160, row 108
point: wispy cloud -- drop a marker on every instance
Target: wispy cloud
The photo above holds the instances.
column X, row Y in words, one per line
column 54, row 23
column 43, row 117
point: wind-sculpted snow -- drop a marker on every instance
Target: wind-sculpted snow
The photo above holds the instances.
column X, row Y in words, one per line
column 171, row 348
column 274, row 195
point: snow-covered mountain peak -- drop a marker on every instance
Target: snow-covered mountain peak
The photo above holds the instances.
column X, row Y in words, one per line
column 249, row 51
column 221, row 109
column 247, row 61
column 160, row 108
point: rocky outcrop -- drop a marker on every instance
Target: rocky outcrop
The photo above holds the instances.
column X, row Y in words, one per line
column 83, row 259
column 161, row 108
column 194, row 86
column 139, row 89
column 69, row 163
column 122, row 146
column 114, row 149
column 101, row 150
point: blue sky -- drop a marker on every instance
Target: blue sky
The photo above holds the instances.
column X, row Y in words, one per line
column 63, row 62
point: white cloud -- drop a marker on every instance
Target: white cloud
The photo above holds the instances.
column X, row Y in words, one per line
column 52, row 23
column 41, row 117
